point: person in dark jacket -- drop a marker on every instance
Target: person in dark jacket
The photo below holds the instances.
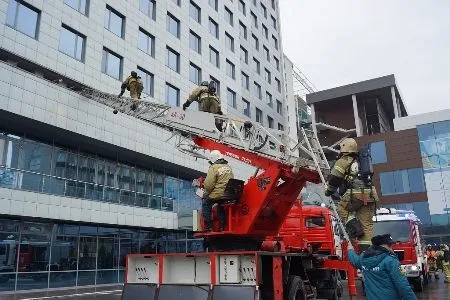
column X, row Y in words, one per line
column 383, row 277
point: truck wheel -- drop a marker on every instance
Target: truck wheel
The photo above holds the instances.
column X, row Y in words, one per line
column 418, row 284
column 296, row 289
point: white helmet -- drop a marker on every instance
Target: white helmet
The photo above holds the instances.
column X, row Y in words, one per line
column 214, row 156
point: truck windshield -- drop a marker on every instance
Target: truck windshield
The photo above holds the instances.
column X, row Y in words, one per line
column 399, row 230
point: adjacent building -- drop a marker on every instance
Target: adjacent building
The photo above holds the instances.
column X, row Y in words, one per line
column 80, row 188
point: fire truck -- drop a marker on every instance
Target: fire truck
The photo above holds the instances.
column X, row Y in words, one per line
column 249, row 259
column 403, row 226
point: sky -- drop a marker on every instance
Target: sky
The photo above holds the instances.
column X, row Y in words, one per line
column 340, row 42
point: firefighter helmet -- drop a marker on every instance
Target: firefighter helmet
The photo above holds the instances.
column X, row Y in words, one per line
column 214, row 156
column 348, row 146
column 204, row 83
column 133, row 74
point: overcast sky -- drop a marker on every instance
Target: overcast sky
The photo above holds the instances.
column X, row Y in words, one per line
column 340, row 42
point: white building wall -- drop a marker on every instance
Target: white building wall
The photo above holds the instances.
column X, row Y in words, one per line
column 290, row 97
column 426, row 118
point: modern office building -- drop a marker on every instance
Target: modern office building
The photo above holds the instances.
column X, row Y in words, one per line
column 80, row 187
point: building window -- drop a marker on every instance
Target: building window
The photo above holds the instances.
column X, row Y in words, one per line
column 268, row 76
column 280, row 127
column 112, row 64
column 148, row 7
column 256, row 66
column 266, row 53
column 274, row 22
column 258, row 91
column 254, row 19
column 254, row 2
column 278, row 82
column 275, row 42
column 269, row 99
column 264, row 10
column 173, row 25
column 214, row 4
column 195, row 73
column 217, row 84
column 195, row 42
column 242, row 31
column 402, row 182
column 213, row 28
column 23, row 17
column 114, row 21
column 231, row 98
column 277, row 63
column 195, row 12
column 378, row 152
column 230, row 69
column 147, row 80
column 72, row 43
column 244, row 55
column 270, row 122
column 241, row 6
column 146, row 42
column 259, row 115
column 245, row 81
column 229, row 42
column 279, row 107
column 273, row 3
column 79, row 5
column 173, row 60
column 265, row 31
column 177, row 2
column 255, row 42
column 214, row 57
column 228, row 16
column 246, row 106
column 172, row 95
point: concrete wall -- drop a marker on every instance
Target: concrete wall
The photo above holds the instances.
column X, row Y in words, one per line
column 414, row 120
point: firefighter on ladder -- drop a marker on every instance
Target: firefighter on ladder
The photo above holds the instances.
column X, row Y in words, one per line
column 134, row 84
column 357, row 203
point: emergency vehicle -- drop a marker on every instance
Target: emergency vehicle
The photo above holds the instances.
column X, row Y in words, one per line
column 403, row 226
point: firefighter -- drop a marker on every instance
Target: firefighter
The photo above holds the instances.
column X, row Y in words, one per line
column 446, row 263
column 357, row 201
column 134, row 84
column 205, row 95
column 219, row 173
column 432, row 257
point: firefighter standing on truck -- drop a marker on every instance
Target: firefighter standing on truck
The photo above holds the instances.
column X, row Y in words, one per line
column 134, row 84
column 358, row 197
column 219, row 173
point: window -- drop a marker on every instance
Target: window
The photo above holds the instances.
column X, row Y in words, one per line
column 280, row 127
column 177, row 2
column 195, row 42
column 230, row 69
column 259, row 115
column 264, row 10
column 254, row 2
column 231, row 98
column 278, row 82
column 172, row 95
column 195, row 73
column 79, row 5
column 23, row 17
column 72, row 43
column 273, row 4
column 269, row 99
column 265, row 31
column 173, row 60
column 214, row 56
column 255, row 42
column 279, row 107
column 173, row 25
column 402, row 182
column 213, row 28
column 242, row 30
column 277, row 63
column 214, row 4
column 254, row 19
column 256, row 66
column 114, row 21
column 270, row 122
column 268, row 76
column 244, row 55
column 378, row 152
column 275, row 42
column 274, row 22
column 112, row 64
column 241, row 6
column 266, row 53
column 148, row 7
column 246, row 106
column 228, row 16
column 245, row 81
column 195, row 12
column 147, row 80
column 229, row 42
column 258, row 92
column 146, row 42
column 217, row 84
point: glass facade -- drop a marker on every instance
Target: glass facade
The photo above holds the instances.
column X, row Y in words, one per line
column 39, row 255
column 46, row 168
column 378, row 152
column 402, row 182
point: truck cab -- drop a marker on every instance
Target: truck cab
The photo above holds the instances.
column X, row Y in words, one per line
column 403, row 226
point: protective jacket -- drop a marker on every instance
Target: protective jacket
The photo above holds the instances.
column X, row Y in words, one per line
column 383, row 276
column 208, row 102
column 217, row 179
column 134, row 85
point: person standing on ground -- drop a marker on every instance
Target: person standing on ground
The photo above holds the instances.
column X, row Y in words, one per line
column 383, row 277
column 446, row 263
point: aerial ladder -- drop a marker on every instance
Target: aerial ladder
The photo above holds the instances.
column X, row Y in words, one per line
column 236, row 264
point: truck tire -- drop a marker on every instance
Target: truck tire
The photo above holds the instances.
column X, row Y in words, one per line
column 418, row 284
column 296, row 289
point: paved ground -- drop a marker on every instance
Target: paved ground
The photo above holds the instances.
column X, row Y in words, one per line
column 436, row 290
